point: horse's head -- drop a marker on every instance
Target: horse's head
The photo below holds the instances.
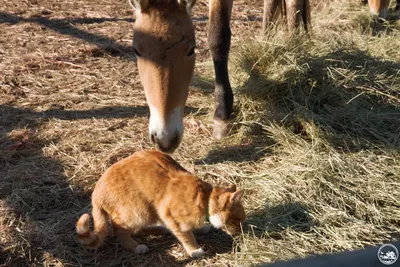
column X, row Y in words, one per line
column 164, row 43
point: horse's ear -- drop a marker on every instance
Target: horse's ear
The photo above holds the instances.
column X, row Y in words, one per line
column 187, row 4
column 139, row 5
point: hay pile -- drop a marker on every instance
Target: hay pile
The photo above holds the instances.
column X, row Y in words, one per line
column 315, row 147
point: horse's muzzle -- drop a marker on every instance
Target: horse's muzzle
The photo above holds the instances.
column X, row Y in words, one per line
column 166, row 146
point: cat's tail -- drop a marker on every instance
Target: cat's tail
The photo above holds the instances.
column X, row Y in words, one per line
column 88, row 238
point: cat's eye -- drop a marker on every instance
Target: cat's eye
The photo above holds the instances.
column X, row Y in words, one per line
column 136, row 52
column 191, row 52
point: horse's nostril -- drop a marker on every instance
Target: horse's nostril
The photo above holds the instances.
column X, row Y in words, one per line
column 153, row 138
column 175, row 141
column 167, row 145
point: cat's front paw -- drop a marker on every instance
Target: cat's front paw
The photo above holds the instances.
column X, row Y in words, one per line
column 197, row 253
column 141, row 249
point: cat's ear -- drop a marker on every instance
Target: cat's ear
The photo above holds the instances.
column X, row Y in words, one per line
column 236, row 197
column 232, row 188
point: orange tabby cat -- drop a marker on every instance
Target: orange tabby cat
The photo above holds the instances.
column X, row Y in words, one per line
column 150, row 187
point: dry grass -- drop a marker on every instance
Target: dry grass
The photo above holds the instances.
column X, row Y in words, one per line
column 316, row 146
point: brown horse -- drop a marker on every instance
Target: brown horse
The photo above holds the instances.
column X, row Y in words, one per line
column 379, row 8
column 164, row 43
column 293, row 11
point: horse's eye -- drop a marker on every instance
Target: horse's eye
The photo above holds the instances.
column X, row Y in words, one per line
column 136, row 52
column 191, row 52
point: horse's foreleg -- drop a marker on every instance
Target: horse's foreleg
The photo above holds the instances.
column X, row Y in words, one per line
column 294, row 14
column 270, row 13
column 219, row 41
column 397, row 8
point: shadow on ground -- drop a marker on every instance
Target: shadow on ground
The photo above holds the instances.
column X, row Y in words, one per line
column 35, row 190
column 65, row 26
column 350, row 95
column 272, row 221
column 35, row 194
column 38, row 206
column 253, row 150
column 206, row 86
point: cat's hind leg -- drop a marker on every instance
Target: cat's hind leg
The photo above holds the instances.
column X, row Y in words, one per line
column 127, row 241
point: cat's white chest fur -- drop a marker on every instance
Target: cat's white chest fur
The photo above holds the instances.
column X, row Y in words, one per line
column 216, row 221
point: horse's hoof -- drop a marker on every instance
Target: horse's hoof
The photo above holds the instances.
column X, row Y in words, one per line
column 220, row 129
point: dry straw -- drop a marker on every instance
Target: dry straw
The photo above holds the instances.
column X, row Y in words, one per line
column 315, row 144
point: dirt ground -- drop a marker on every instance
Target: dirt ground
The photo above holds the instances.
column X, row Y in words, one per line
column 71, row 104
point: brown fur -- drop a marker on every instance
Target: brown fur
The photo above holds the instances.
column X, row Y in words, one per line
column 164, row 40
column 219, row 42
column 148, row 188
column 379, row 7
column 293, row 12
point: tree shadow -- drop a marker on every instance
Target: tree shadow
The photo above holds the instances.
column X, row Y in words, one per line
column 272, row 221
column 105, row 112
column 14, row 19
column 64, row 26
